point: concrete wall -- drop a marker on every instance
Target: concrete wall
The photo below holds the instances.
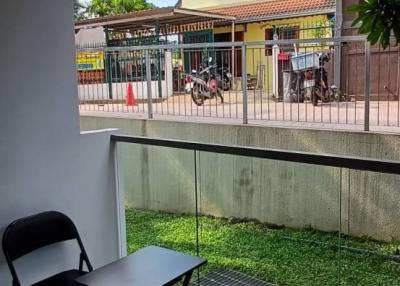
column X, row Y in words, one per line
column 46, row 163
column 296, row 195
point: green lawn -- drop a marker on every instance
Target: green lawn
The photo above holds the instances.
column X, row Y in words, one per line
column 265, row 253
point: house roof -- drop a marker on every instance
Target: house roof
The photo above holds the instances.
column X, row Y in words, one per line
column 275, row 9
column 165, row 16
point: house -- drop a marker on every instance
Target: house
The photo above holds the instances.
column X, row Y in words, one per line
column 255, row 19
column 249, row 20
column 258, row 21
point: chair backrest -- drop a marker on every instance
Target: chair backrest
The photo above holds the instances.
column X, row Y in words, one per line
column 33, row 232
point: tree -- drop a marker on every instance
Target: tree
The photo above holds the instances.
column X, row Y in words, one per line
column 379, row 19
column 79, row 10
column 113, row 7
column 100, row 7
column 126, row 6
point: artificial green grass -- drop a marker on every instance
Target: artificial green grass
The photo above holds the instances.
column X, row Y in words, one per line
column 265, row 253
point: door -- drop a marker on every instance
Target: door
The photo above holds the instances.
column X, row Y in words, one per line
column 224, row 55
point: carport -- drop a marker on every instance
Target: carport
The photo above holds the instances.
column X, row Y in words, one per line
column 156, row 22
column 152, row 27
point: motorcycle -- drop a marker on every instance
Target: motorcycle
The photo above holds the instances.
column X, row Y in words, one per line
column 206, row 84
column 316, row 80
column 312, row 83
column 297, row 90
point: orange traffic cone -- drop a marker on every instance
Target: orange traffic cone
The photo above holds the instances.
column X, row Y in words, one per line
column 130, row 97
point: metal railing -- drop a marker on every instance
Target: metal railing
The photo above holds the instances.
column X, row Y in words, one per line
column 356, row 163
column 258, row 82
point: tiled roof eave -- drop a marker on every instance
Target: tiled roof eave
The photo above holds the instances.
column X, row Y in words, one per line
column 285, row 15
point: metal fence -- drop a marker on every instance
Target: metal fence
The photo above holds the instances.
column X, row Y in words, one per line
column 330, row 82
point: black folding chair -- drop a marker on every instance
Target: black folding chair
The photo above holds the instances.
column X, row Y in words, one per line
column 33, row 232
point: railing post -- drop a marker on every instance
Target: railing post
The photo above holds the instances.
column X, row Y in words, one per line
column 149, row 92
column 367, row 73
column 244, row 85
column 275, row 70
column 338, row 45
column 233, row 64
column 108, row 66
column 337, row 64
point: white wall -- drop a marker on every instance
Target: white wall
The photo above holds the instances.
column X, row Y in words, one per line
column 46, row 164
column 100, row 91
column 90, row 36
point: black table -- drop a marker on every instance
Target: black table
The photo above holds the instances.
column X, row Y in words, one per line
column 150, row 266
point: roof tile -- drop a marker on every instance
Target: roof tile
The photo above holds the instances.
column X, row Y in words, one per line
column 274, row 8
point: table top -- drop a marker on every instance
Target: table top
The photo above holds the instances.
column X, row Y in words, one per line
column 149, row 266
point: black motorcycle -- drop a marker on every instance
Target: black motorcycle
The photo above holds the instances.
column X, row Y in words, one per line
column 312, row 83
column 317, row 81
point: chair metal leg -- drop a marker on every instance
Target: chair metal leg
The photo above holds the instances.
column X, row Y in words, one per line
column 186, row 280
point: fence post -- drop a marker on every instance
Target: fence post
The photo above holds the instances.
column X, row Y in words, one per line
column 275, row 69
column 149, row 92
column 337, row 64
column 233, row 64
column 108, row 67
column 338, row 45
column 244, row 85
column 367, row 73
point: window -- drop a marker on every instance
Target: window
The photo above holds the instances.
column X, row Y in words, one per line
column 284, row 33
column 269, row 36
column 288, row 33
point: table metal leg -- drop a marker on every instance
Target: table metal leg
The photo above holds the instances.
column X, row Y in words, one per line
column 186, row 280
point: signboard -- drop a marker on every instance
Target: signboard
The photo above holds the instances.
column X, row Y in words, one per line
column 283, row 56
column 137, row 41
column 89, row 61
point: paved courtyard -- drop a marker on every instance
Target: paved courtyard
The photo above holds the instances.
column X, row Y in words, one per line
column 384, row 115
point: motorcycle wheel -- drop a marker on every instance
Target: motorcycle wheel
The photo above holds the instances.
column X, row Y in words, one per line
column 326, row 97
column 296, row 97
column 314, row 97
column 219, row 94
column 197, row 97
column 322, row 93
column 226, row 85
